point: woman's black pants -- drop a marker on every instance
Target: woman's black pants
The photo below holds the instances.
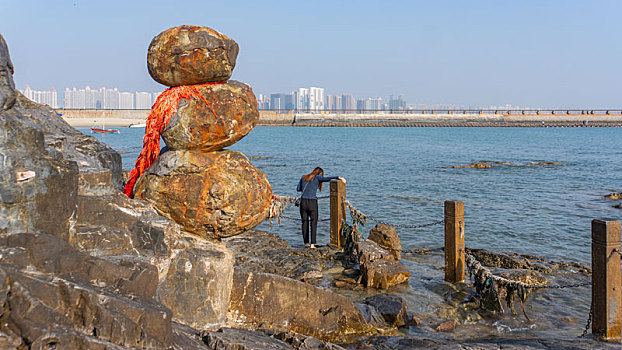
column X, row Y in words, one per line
column 308, row 214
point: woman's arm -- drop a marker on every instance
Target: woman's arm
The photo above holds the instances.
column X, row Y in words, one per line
column 299, row 187
column 325, row 179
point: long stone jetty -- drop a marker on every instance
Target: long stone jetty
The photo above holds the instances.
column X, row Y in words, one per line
column 420, row 118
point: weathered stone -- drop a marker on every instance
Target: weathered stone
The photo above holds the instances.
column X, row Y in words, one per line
column 231, row 115
column 214, row 195
column 446, row 326
column 242, row 339
column 44, row 202
column 286, row 304
column 391, row 308
column 614, row 195
column 379, row 269
column 387, row 238
column 7, row 85
column 269, row 253
column 38, row 303
column 189, row 54
column 196, row 285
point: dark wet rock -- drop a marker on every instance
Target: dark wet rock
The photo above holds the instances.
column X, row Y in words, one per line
column 521, row 261
column 189, row 54
column 391, row 308
column 614, row 195
column 386, row 237
column 299, row 341
column 231, row 115
column 285, row 304
column 213, row 195
column 379, row 269
column 477, row 165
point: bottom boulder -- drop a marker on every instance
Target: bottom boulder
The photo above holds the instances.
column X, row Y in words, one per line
column 212, row 194
column 379, row 269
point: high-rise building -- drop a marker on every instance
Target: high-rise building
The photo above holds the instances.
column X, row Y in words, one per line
column 111, row 98
column 282, row 101
column 333, row 102
column 143, row 100
column 302, row 99
column 46, row 97
column 126, row 100
column 397, row 104
column 316, row 99
column 348, row 102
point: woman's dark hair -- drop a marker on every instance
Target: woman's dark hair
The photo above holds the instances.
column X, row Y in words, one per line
column 309, row 177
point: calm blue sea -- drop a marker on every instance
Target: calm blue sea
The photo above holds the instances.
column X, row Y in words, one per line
column 403, row 176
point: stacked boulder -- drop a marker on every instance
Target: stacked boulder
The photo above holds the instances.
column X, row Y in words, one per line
column 210, row 191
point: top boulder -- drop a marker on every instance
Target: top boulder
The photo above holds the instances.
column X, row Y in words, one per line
column 188, row 55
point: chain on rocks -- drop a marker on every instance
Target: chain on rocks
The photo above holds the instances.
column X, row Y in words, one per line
column 589, row 320
column 489, row 286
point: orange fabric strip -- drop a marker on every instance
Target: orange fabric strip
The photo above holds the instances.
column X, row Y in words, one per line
column 161, row 112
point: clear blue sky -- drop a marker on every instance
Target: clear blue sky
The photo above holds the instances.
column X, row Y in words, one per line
column 530, row 53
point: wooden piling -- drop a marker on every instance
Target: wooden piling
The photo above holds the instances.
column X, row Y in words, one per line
column 454, row 241
column 337, row 211
column 606, row 284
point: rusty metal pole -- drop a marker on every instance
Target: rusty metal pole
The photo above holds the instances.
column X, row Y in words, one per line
column 337, row 211
column 606, row 270
column 454, row 241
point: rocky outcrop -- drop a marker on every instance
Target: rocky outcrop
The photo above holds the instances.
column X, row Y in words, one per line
column 268, row 299
column 214, row 195
column 188, row 55
column 7, row 86
column 387, row 238
column 384, row 310
column 379, row 269
column 232, row 113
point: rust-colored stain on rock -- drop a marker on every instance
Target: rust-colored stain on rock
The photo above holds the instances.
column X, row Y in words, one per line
column 231, row 115
column 211, row 194
column 188, row 55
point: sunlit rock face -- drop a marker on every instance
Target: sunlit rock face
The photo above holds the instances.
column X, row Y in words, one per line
column 211, row 194
column 231, row 113
column 188, row 55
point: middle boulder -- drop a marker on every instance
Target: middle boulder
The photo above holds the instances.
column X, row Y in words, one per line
column 231, row 113
column 211, row 194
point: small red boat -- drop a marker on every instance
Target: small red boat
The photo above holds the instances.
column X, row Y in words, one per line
column 105, row 131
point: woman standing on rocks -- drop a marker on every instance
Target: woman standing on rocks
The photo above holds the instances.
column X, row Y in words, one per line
column 308, row 185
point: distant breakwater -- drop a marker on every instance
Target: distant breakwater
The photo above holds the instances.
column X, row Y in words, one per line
column 428, row 118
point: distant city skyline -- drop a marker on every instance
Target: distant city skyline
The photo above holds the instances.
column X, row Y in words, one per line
column 556, row 53
column 304, row 99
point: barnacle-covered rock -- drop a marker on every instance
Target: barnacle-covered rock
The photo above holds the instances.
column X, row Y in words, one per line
column 212, row 194
column 231, row 114
column 188, row 55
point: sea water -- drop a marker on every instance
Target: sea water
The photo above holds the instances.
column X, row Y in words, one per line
column 403, row 176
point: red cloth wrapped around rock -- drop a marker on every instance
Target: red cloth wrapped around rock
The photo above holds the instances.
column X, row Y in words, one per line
column 233, row 113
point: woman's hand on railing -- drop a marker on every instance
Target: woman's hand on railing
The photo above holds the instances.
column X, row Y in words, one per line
column 341, row 179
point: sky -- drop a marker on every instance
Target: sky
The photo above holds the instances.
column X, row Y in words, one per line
column 529, row 53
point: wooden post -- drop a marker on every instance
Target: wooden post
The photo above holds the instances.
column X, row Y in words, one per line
column 337, row 211
column 454, row 241
column 606, row 294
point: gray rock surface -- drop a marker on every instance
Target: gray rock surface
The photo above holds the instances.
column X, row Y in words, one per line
column 285, row 304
